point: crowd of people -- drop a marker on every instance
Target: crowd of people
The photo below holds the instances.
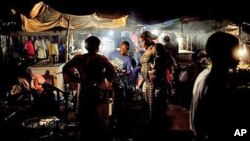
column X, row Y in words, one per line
column 120, row 72
column 118, row 78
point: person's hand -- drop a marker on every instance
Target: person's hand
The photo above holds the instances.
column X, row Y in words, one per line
column 137, row 87
column 152, row 75
column 109, row 85
column 119, row 70
column 106, row 85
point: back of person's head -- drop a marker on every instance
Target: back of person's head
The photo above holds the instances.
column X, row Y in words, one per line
column 166, row 39
column 220, row 48
column 92, row 44
column 159, row 50
column 133, row 63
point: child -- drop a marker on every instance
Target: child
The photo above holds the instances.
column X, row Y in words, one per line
column 132, row 78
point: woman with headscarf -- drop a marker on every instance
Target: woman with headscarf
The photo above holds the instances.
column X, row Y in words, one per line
column 153, row 69
column 146, row 60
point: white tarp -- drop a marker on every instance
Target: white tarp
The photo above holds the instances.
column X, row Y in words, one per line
column 42, row 18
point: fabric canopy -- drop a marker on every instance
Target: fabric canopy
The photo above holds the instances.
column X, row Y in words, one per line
column 42, row 18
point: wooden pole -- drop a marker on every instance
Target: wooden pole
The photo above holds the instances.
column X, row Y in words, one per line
column 68, row 42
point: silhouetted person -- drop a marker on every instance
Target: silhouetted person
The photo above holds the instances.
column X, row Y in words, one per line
column 214, row 115
column 157, row 75
column 93, row 70
column 170, row 47
column 172, row 53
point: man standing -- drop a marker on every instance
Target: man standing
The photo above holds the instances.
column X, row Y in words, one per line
column 215, row 97
column 122, row 63
column 170, row 47
column 95, row 71
column 120, row 58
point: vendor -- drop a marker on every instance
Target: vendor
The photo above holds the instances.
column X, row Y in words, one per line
column 30, row 81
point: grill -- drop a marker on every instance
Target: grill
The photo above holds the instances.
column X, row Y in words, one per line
column 41, row 127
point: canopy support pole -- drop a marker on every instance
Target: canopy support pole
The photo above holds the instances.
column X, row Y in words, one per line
column 68, row 41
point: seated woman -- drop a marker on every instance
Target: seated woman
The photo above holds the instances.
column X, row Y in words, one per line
column 33, row 90
column 26, row 88
column 30, row 81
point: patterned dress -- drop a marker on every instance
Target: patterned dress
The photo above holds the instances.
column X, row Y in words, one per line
column 146, row 60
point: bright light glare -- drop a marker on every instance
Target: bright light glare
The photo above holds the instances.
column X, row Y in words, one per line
column 180, row 43
column 84, row 50
column 162, row 34
column 111, row 33
column 156, row 32
column 179, row 40
column 242, row 52
column 107, row 45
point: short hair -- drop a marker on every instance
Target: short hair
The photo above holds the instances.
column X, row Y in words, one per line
column 92, row 43
column 166, row 38
column 220, row 45
column 126, row 43
column 159, row 49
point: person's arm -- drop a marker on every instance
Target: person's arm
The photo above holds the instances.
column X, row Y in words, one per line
column 23, row 82
column 172, row 60
column 140, row 83
column 68, row 74
column 109, row 70
column 128, row 68
column 152, row 58
column 38, row 80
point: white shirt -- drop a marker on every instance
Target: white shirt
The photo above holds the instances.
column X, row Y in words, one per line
column 199, row 90
column 41, row 48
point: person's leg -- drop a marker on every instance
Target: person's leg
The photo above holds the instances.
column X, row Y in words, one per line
column 159, row 114
column 150, row 95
